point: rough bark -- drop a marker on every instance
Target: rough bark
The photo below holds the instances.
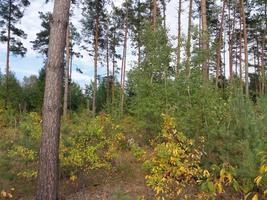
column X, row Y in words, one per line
column 242, row 12
column 107, row 57
column 205, row 39
column 66, row 81
column 188, row 44
column 48, row 172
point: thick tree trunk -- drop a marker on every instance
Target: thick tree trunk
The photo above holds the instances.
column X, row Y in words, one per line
column 8, row 53
column 123, row 66
column 66, row 81
column 178, row 53
column 205, row 39
column 48, row 172
column 219, row 46
column 188, row 44
column 242, row 12
column 96, row 38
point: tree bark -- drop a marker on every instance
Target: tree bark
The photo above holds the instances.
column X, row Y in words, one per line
column 107, row 57
column 178, row 53
column 242, row 12
column 231, row 30
column 205, row 39
column 66, row 81
column 188, row 44
column 48, row 172
column 219, row 46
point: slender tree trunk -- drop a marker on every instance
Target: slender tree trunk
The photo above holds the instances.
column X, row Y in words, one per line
column 96, row 38
column 113, row 77
column 138, row 34
column 107, row 80
column 123, row 66
column 205, row 39
column 242, row 11
column 8, row 52
column 231, row 30
column 164, row 13
column 219, row 46
column 240, row 51
column 188, row 44
column 66, row 83
column 263, row 79
column 178, row 53
column 154, row 15
column 48, row 172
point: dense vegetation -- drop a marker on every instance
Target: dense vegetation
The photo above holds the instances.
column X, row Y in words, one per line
column 192, row 131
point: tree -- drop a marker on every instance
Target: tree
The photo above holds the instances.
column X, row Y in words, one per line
column 11, row 12
column 178, row 59
column 188, row 42
column 123, row 65
column 93, row 30
column 243, row 17
column 40, row 44
column 48, row 171
column 205, row 40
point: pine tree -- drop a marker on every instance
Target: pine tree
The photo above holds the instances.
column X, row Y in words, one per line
column 11, row 12
column 48, row 172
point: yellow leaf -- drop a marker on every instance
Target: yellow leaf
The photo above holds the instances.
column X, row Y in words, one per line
column 265, row 193
column 255, row 197
column 73, row 178
column 206, row 173
column 257, row 180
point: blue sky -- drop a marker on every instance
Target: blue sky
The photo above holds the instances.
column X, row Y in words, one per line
column 32, row 62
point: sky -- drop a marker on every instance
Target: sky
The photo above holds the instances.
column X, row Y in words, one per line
column 33, row 62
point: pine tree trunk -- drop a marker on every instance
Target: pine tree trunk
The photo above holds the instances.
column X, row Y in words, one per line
column 263, row 64
column 219, row 46
column 123, row 66
column 113, row 68
column 230, row 44
column 188, row 44
column 240, row 51
column 66, row 81
column 107, row 80
column 8, row 52
column 96, row 38
column 164, row 13
column 205, row 39
column 178, row 53
column 242, row 11
column 154, row 15
column 48, row 172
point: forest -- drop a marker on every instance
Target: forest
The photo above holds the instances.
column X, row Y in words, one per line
column 166, row 115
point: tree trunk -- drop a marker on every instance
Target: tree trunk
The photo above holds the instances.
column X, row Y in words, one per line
column 242, row 11
column 8, row 52
column 219, row 46
column 178, row 53
column 96, row 37
column 188, row 44
column 231, row 30
column 154, row 15
column 240, row 51
column 164, row 13
column 123, row 66
column 107, row 55
column 66, row 83
column 48, row 172
column 205, row 39
column 113, row 68
column 263, row 52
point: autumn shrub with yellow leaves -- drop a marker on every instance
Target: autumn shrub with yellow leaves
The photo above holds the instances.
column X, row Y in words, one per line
column 174, row 168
